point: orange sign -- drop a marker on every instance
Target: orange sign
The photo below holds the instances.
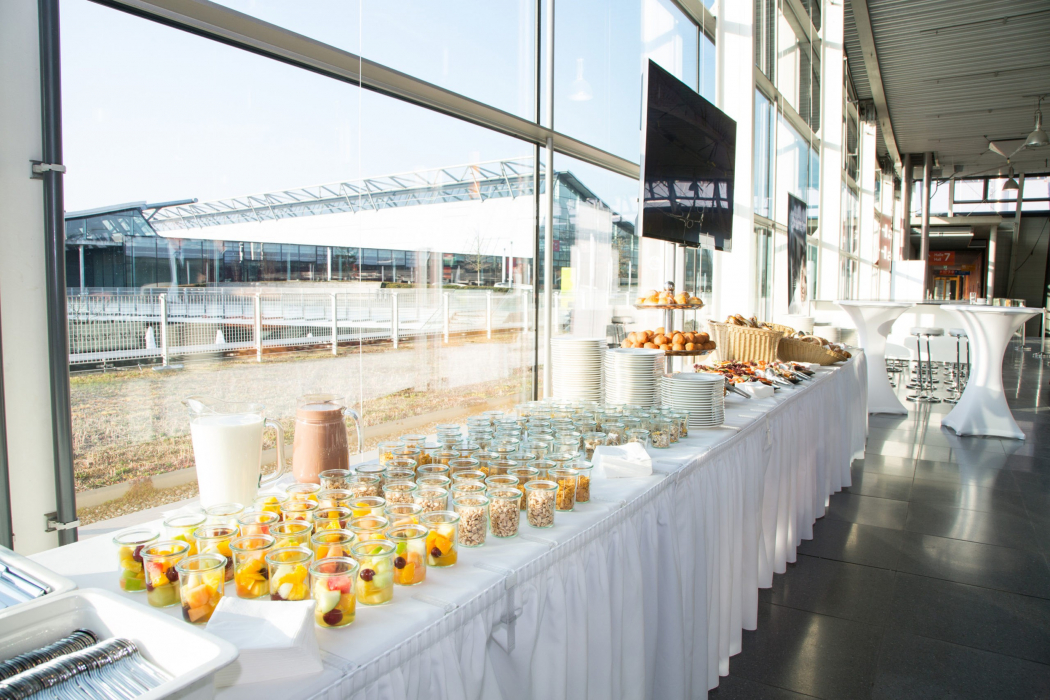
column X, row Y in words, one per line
column 942, row 257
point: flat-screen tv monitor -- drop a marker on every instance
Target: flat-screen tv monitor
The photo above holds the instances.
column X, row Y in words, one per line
column 688, row 158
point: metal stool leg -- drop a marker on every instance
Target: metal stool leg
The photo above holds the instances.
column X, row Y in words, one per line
column 930, row 398
column 953, row 396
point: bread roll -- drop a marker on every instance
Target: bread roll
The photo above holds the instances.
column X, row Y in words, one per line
column 701, row 338
column 652, row 346
column 627, row 344
column 709, row 345
column 660, row 330
column 677, row 339
column 678, row 347
column 665, row 347
column 690, row 347
column 631, row 337
column 681, row 298
column 661, row 339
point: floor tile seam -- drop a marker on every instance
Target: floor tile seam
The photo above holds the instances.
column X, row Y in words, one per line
column 772, row 685
column 986, row 544
column 968, row 510
column 975, row 585
column 873, row 625
column 964, row 646
column 840, row 561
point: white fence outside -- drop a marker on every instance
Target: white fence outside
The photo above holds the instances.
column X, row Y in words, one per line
column 119, row 325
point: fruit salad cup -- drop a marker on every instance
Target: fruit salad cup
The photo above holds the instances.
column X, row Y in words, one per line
column 370, row 527
column 288, row 570
column 410, row 554
column 431, row 470
column 334, row 479
column 401, row 514
column 387, row 449
column 269, row 502
column 250, row 573
column 132, row 573
column 182, row 527
column 257, row 523
column 583, row 471
column 303, row 492
column 399, row 492
column 217, row 538
column 473, row 512
column 339, row 498
column 331, row 518
column 367, row 505
column 201, row 586
column 504, row 511
column 523, row 475
column 332, row 543
column 432, row 498
column 162, row 580
column 294, row 533
column 539, row 503
column 334, row 583
column 442, row 537
column 294, row 509
column 224, row 514
column 375, row 577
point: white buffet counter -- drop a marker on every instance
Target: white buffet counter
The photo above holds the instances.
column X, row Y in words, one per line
column 643, row 592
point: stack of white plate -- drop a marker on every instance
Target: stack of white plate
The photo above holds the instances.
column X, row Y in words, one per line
column 701, row 394
column 631, row 374
column 576, row 368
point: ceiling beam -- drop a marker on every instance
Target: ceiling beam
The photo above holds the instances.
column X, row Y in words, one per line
column 871, row 65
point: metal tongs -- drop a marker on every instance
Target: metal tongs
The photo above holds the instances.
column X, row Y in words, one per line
column 740, row 392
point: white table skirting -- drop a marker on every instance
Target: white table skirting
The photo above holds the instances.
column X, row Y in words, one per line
column 644, row 592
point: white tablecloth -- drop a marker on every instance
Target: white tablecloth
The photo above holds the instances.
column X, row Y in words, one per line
column 643, row 592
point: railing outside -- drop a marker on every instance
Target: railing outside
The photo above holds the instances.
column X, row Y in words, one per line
column 118, row 325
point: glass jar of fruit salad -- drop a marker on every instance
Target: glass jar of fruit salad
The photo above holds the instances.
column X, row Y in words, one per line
column 331, row 518
column 567, row 480
column 369, row 527
column 332, row 543
column 201, row 586
column 131, row 572
column 338, row 498
column 504, row 511
column 289, row 570
column 386, row 450
column 442, row 538
column 367, row 505
column 162, row 580
column 257, row 523
column 432, row 498
column 333, row 583
column 398, row 514
column 298, row 510
column 250, row 575
column 269, row 502
column 375, row 577
column 295, row 533
column 473, row 509
column 224, row 514
column 181, row 527
column 400, row 491
column 335, row 479
column 410, row 555
column 303, row 492
column 217, row 538
column 640, row 436
column 540, row 503
column 583, row 471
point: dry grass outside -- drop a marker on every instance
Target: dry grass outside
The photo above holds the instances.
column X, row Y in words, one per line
column 129, row 424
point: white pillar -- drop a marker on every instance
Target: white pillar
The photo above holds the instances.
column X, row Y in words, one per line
column 257, row 327
column 27, row 384
column 830, row 152
column 869, row 232
column 735, row 95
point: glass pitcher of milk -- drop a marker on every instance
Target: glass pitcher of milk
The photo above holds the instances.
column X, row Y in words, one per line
column 227, row 448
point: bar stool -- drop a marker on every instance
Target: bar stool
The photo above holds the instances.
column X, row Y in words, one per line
column 958, row 384
column 924, row 387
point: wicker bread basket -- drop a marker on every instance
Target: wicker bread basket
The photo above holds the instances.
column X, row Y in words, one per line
column 742, row 343
column 794, row 350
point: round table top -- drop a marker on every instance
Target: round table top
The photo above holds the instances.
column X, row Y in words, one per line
column 985, row 309
column 885, row 304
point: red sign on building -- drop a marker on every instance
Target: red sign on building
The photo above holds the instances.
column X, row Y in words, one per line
column 942, row 257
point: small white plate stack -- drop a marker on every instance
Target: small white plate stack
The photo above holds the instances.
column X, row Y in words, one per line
column 701, row 394
column 576, row 368
column 631, row 375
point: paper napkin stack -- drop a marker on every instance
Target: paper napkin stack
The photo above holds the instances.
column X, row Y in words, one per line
column 275, row 640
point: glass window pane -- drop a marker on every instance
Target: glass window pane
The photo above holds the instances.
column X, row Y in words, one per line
column 484, row 50
column 969, row 190
column 1037, row 187
column 996, row 191
column 763, row 176
column 600, row 57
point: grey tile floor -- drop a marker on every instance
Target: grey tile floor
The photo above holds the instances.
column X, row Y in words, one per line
column 928, row 577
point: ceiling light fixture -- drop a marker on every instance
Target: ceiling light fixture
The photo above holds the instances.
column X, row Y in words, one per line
column 1011, row 184
column 1037, row 139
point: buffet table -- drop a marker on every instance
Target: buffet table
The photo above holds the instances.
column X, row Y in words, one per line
column 982, row 408
column 643, row 592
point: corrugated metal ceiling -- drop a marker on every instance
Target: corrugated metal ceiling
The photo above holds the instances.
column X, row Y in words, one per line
column 955, row 73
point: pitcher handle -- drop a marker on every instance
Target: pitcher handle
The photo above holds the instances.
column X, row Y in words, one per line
column 360, row 428
column 281, row 468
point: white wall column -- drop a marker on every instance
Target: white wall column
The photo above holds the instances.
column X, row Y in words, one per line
column 869, row 233
column 830, row 151
column 23, row 299
column 735, row 95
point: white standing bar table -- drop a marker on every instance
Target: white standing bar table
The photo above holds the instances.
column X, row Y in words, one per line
column 874, row 319
column 982, row 409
